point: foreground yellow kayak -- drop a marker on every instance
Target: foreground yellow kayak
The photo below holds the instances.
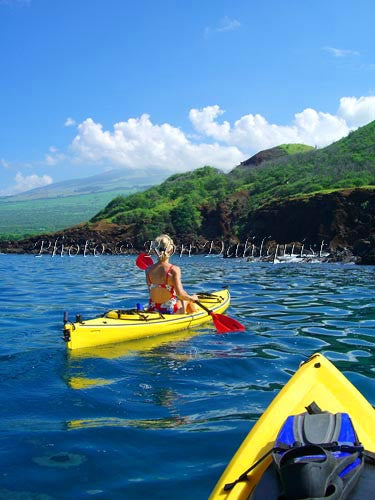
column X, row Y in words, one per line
column 118, row 326
column 316, row 382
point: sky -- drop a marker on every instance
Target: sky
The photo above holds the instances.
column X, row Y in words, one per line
column 91, row 85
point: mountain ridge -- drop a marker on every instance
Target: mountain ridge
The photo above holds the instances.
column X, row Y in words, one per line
column 107, row 181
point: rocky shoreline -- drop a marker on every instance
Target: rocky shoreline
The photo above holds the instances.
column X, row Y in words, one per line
column 332, row 227
column 58, row 245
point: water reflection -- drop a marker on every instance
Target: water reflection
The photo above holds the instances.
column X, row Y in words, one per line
column 132, row 347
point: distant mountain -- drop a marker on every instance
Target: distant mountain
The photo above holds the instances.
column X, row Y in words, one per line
column 107, row 181
column 63, row 204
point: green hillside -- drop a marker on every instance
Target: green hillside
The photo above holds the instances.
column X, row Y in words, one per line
column 177, row 205
column 348, row 163
column 172, row 206
column 21, row 218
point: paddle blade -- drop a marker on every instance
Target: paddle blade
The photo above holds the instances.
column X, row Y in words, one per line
column 225, row 324
column 144, row 261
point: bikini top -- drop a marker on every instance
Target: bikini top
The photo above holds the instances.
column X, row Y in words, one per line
column 165, row 285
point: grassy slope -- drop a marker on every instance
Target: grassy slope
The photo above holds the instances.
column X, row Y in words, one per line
column 292, row 149
column 21, row 218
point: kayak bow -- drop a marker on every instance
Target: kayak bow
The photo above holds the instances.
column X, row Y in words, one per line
column 316, row 382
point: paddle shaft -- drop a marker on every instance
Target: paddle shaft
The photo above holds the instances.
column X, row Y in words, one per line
column 203, row 307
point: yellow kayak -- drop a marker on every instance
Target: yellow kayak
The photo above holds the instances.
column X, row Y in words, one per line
column 119, row 326
column 318, row 382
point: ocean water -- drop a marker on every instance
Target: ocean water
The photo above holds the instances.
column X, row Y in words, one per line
column 159, row 419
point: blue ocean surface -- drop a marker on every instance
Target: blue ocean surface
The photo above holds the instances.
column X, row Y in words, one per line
column 159, row 419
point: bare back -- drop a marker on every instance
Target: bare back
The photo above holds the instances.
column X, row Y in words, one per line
column 161, row 273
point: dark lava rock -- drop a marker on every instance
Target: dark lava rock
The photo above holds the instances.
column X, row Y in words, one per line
column 266, row 155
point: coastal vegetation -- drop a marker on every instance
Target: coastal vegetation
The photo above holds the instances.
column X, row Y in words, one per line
column 177, row 206
column 173, row 206
column 348, row 163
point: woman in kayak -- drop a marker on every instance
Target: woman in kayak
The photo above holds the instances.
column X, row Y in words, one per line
column 164, row 282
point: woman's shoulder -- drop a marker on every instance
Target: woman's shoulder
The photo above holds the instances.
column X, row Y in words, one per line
column 149, row 269
column 175, row 269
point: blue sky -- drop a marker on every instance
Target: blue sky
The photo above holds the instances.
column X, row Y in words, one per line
column 88, row 85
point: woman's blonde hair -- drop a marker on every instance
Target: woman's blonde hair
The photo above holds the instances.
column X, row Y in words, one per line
column 163, row 246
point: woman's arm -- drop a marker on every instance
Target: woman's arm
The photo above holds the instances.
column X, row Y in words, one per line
column 180, row 292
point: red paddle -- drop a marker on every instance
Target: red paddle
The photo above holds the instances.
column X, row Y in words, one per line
column 144, row 261
column 223, row 324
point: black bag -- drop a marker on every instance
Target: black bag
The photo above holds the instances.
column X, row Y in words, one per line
column 318, row 456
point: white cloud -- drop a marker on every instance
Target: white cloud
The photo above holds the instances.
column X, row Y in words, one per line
column 357, row 111
column 204, row 122
column 53, row 159
column 25, row 183
column 5, row 164
column 341, row 52
column 138, row 143
column 69, row 122
column 253, row 132
column 54, row 156
column 226, row 24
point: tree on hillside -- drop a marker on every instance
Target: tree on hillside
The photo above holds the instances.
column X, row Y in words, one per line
column 186, row 218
